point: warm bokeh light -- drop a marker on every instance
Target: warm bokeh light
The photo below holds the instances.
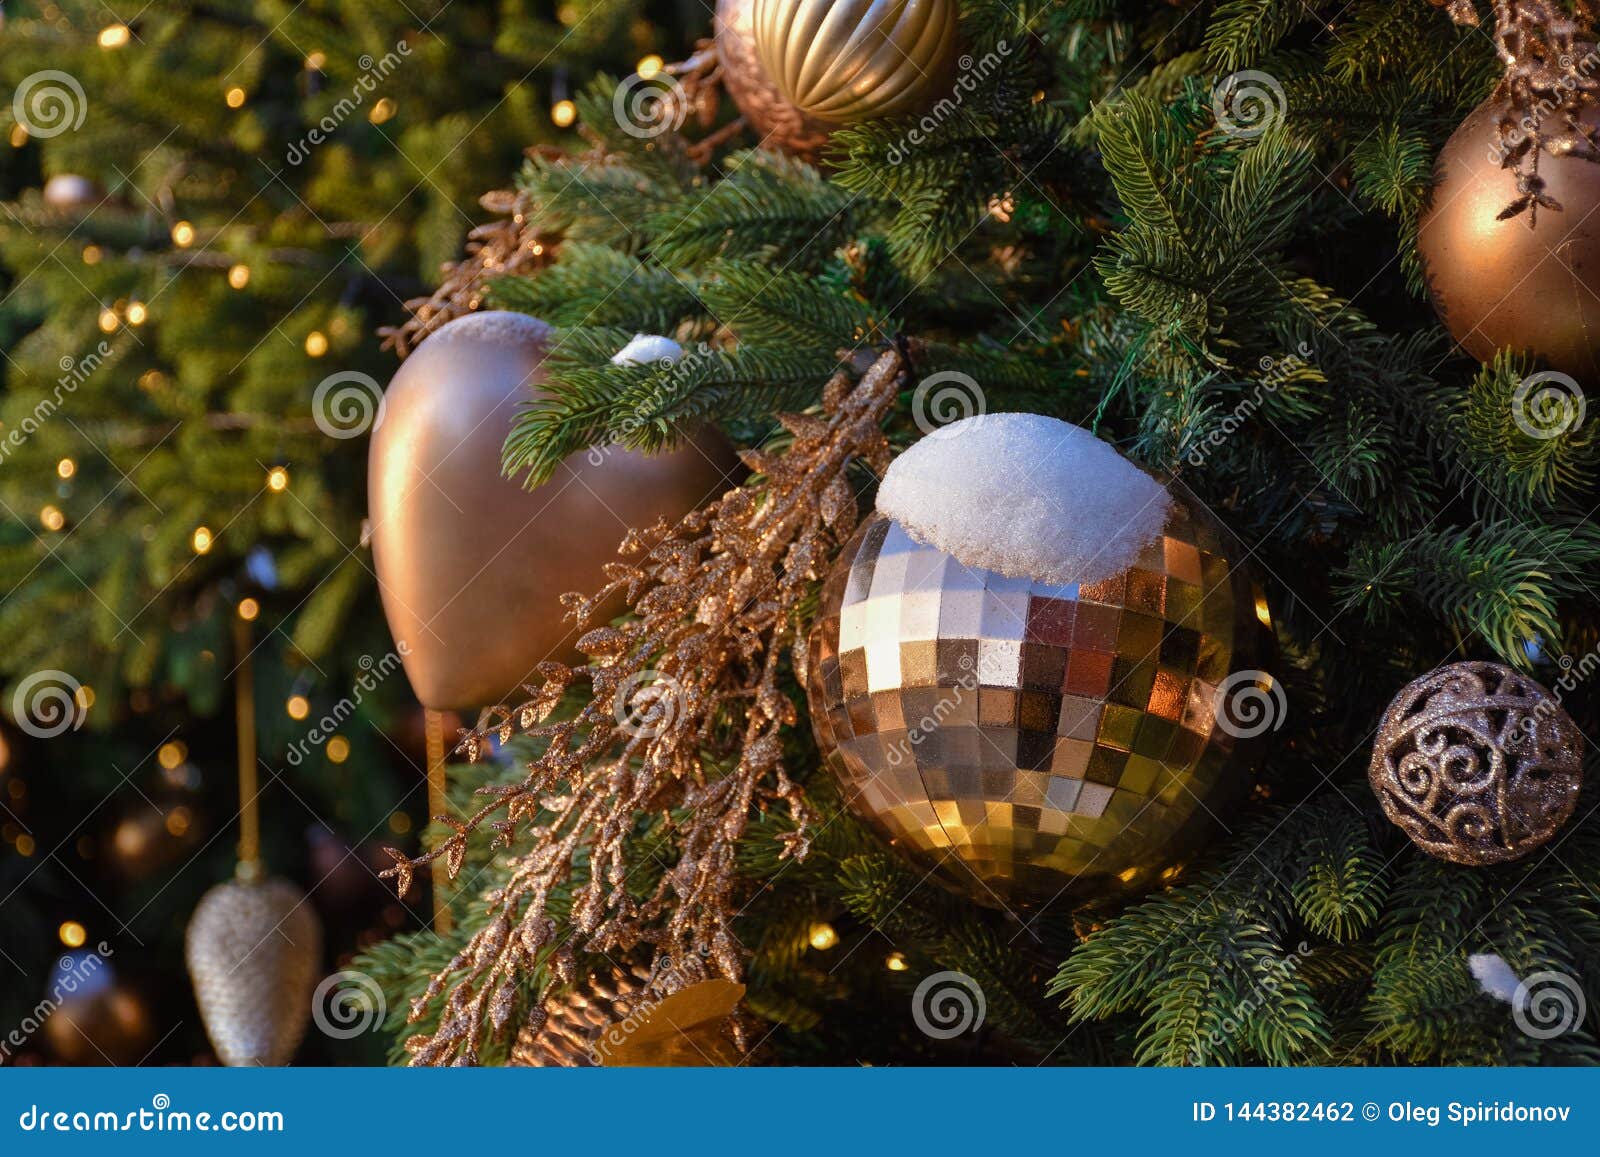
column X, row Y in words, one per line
column 239, row 276
column 277, row 479
column 896, row 962
column 114, row 35
column 338, row 749
column 563, row 112
column 172, row 754
column 235, row 97
column 298, row 707
column 108, row 321
column 178, row 821
column 91, row 255
column 316, row 343
column 381, row 111
column 72, row 934
column 822, row 936
column 51, row 518
column 183, row 234
column 201, row 540
column 650, row 67
column 66, row 468
column 249, row 609
column 137, row 313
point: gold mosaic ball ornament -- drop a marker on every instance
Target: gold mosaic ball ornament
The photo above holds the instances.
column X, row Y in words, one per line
column 843, row 61
column 1036, row 669
column 1477, row 764
column 254, row 950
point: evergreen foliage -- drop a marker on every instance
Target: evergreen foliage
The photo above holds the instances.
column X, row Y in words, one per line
column 270, row 180
column 1084, row 236
column 1095, row 230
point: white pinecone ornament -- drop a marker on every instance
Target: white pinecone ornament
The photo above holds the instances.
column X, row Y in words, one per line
column 254, row 950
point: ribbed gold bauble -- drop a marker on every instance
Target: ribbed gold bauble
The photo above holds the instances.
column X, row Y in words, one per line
column 1527, row 282
column 254, row 950
column 604, row 1021
column 843, row 61
column 778, row 123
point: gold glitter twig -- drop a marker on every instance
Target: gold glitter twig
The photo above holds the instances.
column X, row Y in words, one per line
column 683, row 720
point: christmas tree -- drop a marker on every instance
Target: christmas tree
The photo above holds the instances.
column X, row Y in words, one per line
column 1192, row 229
column 1212, row 235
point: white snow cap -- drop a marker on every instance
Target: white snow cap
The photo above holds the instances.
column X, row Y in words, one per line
column 646, row 348
column 489, row 327
column 1027, row 496
column 1494, row 976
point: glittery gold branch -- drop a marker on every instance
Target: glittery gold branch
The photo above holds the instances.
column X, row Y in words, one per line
column 508, row 245
column 682, row 720
column 1550, row 60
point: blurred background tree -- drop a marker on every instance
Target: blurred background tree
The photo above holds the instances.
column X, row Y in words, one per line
column 207, row 210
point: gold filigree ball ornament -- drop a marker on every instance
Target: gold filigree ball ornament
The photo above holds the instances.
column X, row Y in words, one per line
column 611, row 1020
column 1477, row 764
column 1037, row 669
column 254, row 950
column 1510, row 237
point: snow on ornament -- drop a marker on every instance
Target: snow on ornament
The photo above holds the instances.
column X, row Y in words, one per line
column 1037, row 670
column 646, row 348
